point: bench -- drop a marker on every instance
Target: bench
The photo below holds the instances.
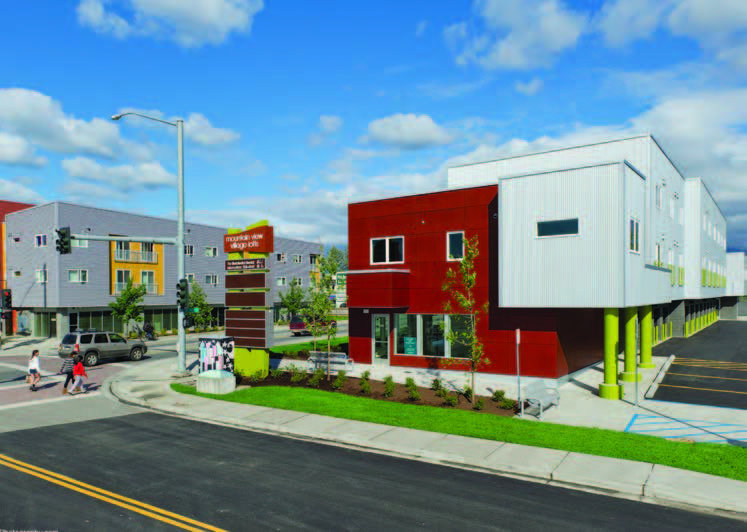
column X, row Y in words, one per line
column 319, row 359
column 540, row 397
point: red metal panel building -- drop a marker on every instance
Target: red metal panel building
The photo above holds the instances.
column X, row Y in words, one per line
column 7, row 207
column 554, row 342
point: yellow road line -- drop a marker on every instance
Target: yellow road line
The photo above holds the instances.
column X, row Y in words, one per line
column 711, row 361
column 107, row 496
column 702, row 389
column 723, row 368
column 706, row 376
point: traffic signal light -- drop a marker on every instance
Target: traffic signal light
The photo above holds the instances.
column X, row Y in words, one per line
column 64, row 242
column 7, row 299
column 6, row 315
column 182, row 293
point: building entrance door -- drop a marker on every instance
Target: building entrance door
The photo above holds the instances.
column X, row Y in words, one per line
column 380, row 339
column 73, row 319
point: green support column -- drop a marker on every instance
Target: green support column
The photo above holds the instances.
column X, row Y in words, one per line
column 609, row 389
column 629, row 373
column 647, row 324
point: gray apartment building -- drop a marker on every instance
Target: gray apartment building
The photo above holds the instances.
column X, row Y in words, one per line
column 54, row 294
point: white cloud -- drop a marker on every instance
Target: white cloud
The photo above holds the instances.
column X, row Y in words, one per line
column 189, row 23
column 149, row 175
column 86, row 191
column 17, row 150
column 329, row 123
column 41, row 121
column 530, row 87
column 408, row 131
column 420, row 28
column 518, row 34
column 198, row 128
column 15, row 191
column 625, row 21
column 445, row 91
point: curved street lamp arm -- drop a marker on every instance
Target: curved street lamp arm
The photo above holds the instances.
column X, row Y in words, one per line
column 117, row 117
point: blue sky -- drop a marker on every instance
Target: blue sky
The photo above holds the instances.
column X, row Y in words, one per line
column 293, row 109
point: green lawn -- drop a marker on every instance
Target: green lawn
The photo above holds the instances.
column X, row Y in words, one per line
column 714, row 459
column 321, row 345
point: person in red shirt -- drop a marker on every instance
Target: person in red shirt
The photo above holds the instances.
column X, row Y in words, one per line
column 79, row 371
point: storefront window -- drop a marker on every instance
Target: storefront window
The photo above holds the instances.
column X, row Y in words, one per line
column 433, row 336
column 407, row 334
column 459, row 324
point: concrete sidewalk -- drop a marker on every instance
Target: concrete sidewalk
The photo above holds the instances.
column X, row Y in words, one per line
column 148, row 386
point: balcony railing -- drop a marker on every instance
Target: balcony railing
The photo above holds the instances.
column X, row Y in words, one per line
column 125, row 255
column 150, row 288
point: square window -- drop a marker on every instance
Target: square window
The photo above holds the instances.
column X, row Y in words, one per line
column 455, row 245
column 211, row 252
column 191, row 278
column 280, row 257
column 189, row 250
column 280, row 281
column 297, row 259
column 378, row 250
column 17, row 273
column 41, row 241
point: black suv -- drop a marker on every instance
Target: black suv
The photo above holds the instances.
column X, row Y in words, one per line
column 95, row 345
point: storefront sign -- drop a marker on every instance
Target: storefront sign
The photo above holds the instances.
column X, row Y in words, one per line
column 245, row 264
column 411, row 345
column 257, row 240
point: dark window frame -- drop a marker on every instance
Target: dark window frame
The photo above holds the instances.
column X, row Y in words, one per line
column 548, row 233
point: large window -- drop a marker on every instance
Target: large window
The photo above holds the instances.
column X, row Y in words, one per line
column 455, row 245
column 211, row 252
column 77, row 276
column 633, row 243
column 211, row 279
column 388, row 250
column 75, row 243
column 558, row 227
column 425, row 335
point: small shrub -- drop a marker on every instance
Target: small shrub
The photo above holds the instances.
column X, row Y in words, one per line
column 297, row 376
column 467, row 393
column 451, row 400
column 339, row 382
column 479, row 404
column 388, row 386
column 498, row 396
column 276, row 373
column 257, row 376
column 316, row 378
column 507, row 404
column 162, row 332
column 365, row 387
column 436, row 385
column 414, row 394
column 365, row 375
column 410, row 384
column 442, row 392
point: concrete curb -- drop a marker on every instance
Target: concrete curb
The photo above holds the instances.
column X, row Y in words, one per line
column 563, row 468
column 659, row 377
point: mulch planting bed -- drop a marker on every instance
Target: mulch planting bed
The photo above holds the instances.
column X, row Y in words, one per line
column 428, row 397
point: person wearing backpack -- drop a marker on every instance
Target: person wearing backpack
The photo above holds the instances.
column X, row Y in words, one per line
column 67, row 368
column 78, row 372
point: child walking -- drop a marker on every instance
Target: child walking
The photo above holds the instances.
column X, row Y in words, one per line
column 78, row 372
column 67, row 368
column 34, row 369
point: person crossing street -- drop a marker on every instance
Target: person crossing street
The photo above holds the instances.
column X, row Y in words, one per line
column 79, row 372
column 67, row 369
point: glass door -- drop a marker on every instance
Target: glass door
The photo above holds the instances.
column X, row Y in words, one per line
column 381, row 339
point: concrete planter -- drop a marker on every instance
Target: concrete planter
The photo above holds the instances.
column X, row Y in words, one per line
column 216, row 381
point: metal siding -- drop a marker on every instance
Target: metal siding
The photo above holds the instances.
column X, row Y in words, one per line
column 635, row 150
column 26, row 258
column 735, row 275
column 289, row 270
column 693, row 230
column 583, row 271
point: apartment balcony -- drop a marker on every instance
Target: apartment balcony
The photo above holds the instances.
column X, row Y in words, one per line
column 150, row 288
column 144, row 257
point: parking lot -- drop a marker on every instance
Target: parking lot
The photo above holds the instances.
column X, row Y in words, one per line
column 710, row 367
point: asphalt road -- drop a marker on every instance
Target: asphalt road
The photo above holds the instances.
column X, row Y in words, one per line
column 238, row 480
column 710, row 367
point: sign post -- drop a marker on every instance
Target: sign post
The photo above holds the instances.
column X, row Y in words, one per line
column 249, row 321
column 518, row 371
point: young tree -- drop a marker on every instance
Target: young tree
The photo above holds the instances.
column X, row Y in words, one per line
column 319, row 319
column 460, row 286
column 293, row 299
column 198, row 300
column 129, row 305
column 339, row 257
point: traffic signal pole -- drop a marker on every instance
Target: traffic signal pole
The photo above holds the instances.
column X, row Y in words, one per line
column 181, row 359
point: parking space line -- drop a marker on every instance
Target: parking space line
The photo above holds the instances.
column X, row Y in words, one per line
column 707, row 377
column 702, row 389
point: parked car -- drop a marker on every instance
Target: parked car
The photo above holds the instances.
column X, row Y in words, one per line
column 96, row 345
column 298, row 326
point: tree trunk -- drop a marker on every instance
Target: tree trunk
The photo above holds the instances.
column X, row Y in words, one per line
column 329, row 352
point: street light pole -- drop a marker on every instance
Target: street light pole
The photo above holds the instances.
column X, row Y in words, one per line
column 181, row 359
